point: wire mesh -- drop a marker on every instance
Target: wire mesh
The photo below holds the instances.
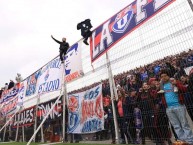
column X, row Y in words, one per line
column 135, row 61
column 166, row 38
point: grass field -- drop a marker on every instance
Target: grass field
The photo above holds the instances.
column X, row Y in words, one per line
column 23, row 143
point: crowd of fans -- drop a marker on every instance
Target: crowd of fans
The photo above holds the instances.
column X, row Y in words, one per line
column 11, row 83
column 141, row 105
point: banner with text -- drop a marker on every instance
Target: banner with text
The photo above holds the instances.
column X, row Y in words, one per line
column 10, row 104
column 73, row 62
column 31, row 83
column 121, row 24
column 44, row 108
column 25, row 118
column 85, row 111
column 9, row 107
column 50, row 77
column 9, row 94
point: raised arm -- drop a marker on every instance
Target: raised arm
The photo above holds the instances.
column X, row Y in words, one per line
column 56, row 40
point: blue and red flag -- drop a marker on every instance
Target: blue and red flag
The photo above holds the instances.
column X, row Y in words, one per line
column 121, row 24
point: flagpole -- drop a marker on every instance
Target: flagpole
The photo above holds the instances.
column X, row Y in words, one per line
column 18, row 120
column 10, row 130
column 64, row 106
column 42, row 134
column 191, row 5
column 23, row 133
column 35, row 119
column 4, row 133
column 111, row 82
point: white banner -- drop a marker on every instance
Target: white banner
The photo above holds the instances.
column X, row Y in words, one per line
column 31, row 83
column 73, row 62
column 85, row 111
column 21, row 93
column 10, row 106
column 9, row 94
column 50, row 76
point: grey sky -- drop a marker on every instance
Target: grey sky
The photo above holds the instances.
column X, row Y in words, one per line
column 26, row 26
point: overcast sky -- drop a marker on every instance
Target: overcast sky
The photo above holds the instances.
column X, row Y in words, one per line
column 26, row 26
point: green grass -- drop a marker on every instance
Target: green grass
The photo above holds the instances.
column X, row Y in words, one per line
column 23, row 143
column 17, row 143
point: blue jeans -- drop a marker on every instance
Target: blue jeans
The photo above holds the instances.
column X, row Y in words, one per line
column 177, row 117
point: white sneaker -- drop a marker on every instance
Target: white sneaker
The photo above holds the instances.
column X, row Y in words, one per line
column 175, row 89
column 161, row 91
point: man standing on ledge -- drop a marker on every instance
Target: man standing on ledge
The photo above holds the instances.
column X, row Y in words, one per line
column 63, row 47
column 176, row 111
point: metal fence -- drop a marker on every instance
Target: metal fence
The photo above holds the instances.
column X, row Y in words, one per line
column 165, row 38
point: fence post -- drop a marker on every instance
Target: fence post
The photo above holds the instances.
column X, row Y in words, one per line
column 10, row 134
column 64, row 112
column 113, row 93
column 23, row 133
column 42, row 134
column 191, row 5
column 64, row 97
column 5, row 129
column 18, row 120
column 35, row 120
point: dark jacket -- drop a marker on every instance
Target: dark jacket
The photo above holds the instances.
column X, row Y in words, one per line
column 171, row 69
column 146, row 102
column 110, row 110
column 189, row 95
column 11, row 84
column 63, row 45
column 129, row 105
column 1, row 91
column 179, row 72
column 190, row 84
column 85, row 26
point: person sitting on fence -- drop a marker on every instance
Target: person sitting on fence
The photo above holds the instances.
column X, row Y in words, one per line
column 1, row 91
column 6, row 86
column 18, row 78
column 63, row 47
column 11, row 84
column 85, row 27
